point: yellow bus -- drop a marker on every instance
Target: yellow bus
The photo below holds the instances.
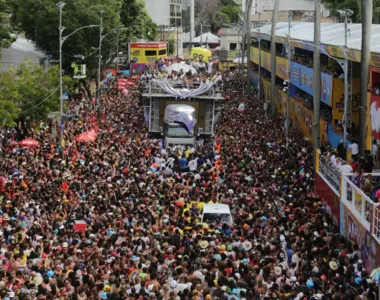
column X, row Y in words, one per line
column 147, row 52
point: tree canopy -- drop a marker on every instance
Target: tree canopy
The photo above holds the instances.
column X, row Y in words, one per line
column 5, row 33
column 355, row 6
column 39, row 19
column 29, row 92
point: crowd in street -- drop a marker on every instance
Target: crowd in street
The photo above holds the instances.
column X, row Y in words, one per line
column 142, row 207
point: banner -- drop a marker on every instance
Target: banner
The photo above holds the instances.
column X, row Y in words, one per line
column 281, row 63
column 354, row 230
column 338, row 100
column 302, row 77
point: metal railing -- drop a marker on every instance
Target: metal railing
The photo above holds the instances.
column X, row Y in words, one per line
column 153, row 88
column 330, row 172
column 361, row 205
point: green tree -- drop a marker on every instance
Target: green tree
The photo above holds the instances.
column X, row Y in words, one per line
column 39, row 19
column 171, row 46
column 355, row 6
column 134, row 15
column 29, row 92
column 232, row 11
column 6, row 39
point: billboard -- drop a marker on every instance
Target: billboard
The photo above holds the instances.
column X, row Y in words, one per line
column 302, row 77
column 281, row 63
column 353, row 229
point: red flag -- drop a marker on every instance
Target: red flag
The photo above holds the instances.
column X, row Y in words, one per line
column 95, row 128
column 92, row 118
column 65, row 187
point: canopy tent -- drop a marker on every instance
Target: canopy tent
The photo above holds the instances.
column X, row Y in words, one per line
column 207, row 37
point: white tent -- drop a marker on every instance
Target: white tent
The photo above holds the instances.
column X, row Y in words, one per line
column 208, row 38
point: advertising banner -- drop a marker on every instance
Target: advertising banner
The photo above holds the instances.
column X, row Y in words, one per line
column 353, row 230
column 281, row 63
column 328, row 198
column 302, row 77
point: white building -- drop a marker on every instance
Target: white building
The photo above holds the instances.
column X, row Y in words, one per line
column 167, row 14
column 303, row 10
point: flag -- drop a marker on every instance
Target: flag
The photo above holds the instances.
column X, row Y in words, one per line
column 65, row 187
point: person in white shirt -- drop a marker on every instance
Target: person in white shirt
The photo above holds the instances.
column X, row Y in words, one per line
column 354, row 149
column 333, row 159
column 193, row 165
column 346, row 168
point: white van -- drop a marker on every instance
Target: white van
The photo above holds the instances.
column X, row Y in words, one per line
column 217, row 213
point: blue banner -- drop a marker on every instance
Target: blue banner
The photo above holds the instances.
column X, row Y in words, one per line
column 125, row 72
column 302, row 77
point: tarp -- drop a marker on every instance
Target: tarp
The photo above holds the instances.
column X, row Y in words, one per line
column 184, row 93
column 29, row 143
column 208, row 38
column 87, row 136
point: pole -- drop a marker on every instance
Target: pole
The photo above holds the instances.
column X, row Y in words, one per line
column 117, row 52
column 192, row 32
column 289, row 79
column 176, row 23
column 364, row 72
column 61, row 5
column 273, row 56
column 345, row 79
column 242, row 61
column 248, row 33
column 259, row 80
column 317, row 76
column 100, row 54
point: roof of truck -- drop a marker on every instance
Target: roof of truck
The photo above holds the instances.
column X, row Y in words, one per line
column 216, row 208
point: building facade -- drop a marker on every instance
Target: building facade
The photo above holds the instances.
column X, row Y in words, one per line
column 167, row 14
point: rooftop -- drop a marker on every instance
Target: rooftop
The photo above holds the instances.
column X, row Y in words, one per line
column 331, row 33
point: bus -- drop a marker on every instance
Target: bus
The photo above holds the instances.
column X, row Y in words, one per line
column 142, row 54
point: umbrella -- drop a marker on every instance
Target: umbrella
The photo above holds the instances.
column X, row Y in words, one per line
column 178, row 67
column 130, row 83
column 29, row 143
column 87, row 136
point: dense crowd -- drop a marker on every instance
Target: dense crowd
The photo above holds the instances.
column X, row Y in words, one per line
column 142, row 206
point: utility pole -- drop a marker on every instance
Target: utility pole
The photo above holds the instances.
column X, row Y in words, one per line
column 100, row 54
column 176, row 23
column 273, row 56
column 192, row 32
column 287, row 122
column 242, row 61
column 317, row 76
column 247, row 25
column 259, row 80
column 346, row 14
column 364, row 71
column 61, row 29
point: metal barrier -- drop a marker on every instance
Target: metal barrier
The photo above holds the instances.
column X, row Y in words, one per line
column 154, row 88
column 329, row 171
column 361, row 205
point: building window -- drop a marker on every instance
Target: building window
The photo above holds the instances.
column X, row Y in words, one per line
column 162, row 52
column 150, row 53
column 233, row 46
column 175, row 22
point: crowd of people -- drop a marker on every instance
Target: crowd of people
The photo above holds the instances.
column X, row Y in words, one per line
column 141, row 207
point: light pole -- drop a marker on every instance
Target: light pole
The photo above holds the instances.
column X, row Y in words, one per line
column 259, row 80
column 289, row 80
column 100, row 55
column 61, row 29
column 346, row 14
